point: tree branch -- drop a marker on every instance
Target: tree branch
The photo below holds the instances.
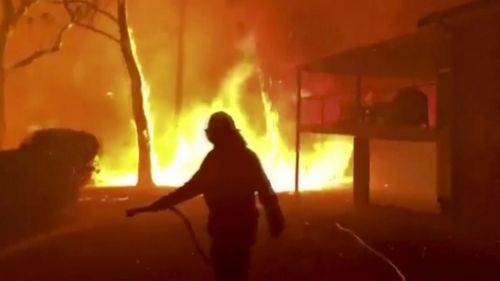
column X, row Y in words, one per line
column 74, row 19
column 40, row 53
column 98, row 31
column 11, row 15
column 8, row 13
column 68, row 10
column 23, row 7
column 91, row 5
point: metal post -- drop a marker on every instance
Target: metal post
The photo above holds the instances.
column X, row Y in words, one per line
column 359, row 98
column 323, row 109
column 361, row 184
column 297, row 129
column 443, row 142
column 361, row 156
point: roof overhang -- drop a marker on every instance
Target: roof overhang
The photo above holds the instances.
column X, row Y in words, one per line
column 419, row 55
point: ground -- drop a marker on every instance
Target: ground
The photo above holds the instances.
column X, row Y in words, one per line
column 101, row 244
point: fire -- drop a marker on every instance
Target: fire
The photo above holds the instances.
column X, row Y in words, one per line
column 179, row 149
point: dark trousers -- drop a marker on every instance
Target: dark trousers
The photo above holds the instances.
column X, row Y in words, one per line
column 230, row 262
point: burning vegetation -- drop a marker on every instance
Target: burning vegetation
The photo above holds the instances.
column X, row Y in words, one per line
column 178, row 149
column 139, row 79
column 215, row 55
column 152, row 145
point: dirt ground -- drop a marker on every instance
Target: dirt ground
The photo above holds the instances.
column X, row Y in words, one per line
column 101, row 244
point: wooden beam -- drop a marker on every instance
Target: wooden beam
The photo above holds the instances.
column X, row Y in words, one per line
column 361, row 184
column 443, row 144
column 374, row 131
column 361, row 154
column 297, row 129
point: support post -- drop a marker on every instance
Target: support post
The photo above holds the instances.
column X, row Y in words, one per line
column 323, row 109
column 297, row 129
column 443, row 143
column 361, row 156
column 361, row 184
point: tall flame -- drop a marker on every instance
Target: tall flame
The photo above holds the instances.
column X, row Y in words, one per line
column 177, row 151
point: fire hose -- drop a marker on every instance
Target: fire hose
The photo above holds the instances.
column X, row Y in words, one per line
column 206, row 259
column 28, row 243
column 189, row 227
column 192, row 234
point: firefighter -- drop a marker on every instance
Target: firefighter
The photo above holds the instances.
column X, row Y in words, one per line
column 229, row 177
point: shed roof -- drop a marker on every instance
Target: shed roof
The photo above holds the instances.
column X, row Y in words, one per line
column 417, row 54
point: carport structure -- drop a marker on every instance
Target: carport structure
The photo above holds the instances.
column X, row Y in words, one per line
column 456, row 54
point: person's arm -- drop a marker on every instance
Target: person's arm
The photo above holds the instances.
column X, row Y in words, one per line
column 268, row 199
column 195, row 186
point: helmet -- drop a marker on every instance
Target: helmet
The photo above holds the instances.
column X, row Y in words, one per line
column 221, row 121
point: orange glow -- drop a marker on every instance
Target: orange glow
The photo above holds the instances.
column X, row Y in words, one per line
column 179, row 150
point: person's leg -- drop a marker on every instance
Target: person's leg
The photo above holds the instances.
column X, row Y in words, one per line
column 240, row 263
column 218, row 262
column 230, row 263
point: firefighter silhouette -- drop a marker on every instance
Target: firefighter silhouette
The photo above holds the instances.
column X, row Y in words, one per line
column 229, row 177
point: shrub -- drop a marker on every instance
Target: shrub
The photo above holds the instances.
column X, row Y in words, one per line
column 44, row 175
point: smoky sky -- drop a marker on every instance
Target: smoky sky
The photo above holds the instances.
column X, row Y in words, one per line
column 298, row 30
column 84, row 85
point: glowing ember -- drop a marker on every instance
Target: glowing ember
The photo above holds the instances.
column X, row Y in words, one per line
column 179, row 149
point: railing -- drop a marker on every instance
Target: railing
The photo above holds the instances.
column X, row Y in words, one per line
column 325, row 114
column 326, row 110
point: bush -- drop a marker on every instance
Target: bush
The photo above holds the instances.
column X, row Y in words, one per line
column 44, row 175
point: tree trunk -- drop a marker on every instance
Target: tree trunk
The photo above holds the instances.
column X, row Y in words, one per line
column 145, row 179
column 3, row 123
column 179, row 86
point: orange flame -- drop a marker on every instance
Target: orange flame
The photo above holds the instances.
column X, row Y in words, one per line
column 179, row 150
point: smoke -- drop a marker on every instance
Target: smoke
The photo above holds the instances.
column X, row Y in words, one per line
column 85, row 82
column 292, row 31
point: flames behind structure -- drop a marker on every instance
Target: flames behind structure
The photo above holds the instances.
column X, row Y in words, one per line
column 91, row 93
column 179, row 148
column 91, row 90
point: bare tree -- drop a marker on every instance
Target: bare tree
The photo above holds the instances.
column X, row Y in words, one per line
column 82, row 14
column 141, row 122
column 11, row 13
